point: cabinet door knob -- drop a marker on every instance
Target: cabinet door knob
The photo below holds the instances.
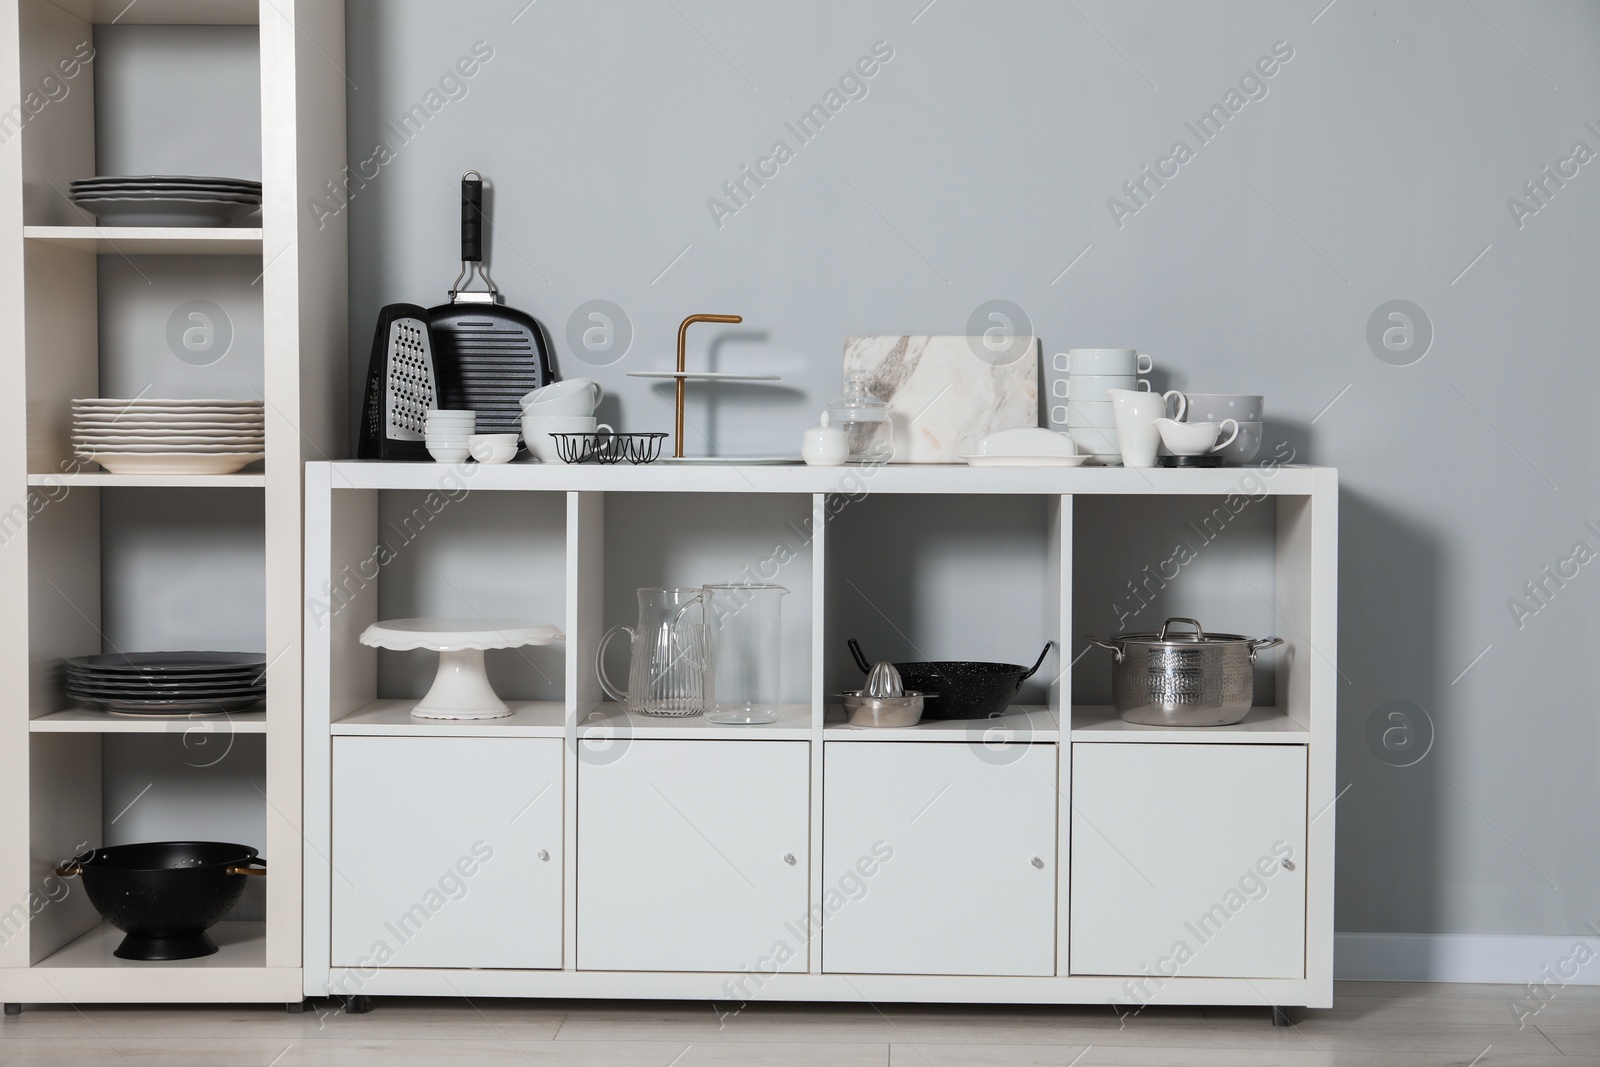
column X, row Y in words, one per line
column 1037, row 862
column 788, row 857
column 544, row 855
column 1288, row 865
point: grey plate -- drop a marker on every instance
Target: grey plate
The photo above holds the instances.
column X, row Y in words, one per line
column 124, row 212
column 169, row 661
column 164, row 179
column 159, row 707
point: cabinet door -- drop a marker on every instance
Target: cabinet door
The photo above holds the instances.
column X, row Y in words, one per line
column 939, row 858
column 692, row 856
column 446, row 852
column 1188, row 859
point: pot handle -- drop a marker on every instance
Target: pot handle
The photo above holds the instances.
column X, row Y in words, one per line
column 860, row 657
column 1116, row 649
column 1262, row 645
column 1048, row 645
column 258, row 872
column 1199, row 631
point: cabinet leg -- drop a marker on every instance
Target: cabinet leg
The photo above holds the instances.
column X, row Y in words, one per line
column 1280, row 1017
column 357, row 1005
column 295, row 1007
column 13, row 1009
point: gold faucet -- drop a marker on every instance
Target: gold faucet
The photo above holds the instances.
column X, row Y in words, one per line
column 683, row 332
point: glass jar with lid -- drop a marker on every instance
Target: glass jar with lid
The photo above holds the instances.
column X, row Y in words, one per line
column 864, row 418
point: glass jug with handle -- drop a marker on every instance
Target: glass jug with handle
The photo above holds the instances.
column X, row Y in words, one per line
column 666, row 671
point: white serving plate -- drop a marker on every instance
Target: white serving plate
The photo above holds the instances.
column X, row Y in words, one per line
column 156, row 463
column 731, row 461
column 1026, row 461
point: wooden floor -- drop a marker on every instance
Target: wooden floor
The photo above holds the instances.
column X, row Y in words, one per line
column 1372, row 1025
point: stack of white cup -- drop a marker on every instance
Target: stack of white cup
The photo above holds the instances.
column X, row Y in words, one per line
column 446, row 434
column 561, row 407
column 1086, row 396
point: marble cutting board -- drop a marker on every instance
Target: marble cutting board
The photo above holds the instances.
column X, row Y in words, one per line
column 943, row 397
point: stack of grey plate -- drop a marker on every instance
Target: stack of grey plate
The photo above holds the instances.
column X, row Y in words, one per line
column 167, row 200
column 164, row 683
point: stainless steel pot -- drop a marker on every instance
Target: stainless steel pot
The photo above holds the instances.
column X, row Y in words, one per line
column 1183, row 679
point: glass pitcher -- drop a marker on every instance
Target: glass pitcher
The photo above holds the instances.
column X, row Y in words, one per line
column 744, row 651
column 666, row 674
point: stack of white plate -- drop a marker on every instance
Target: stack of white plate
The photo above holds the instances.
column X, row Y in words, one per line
column 169, row 436
column 167, row 200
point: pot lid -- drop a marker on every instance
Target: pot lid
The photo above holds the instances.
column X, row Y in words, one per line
column 1173, row 638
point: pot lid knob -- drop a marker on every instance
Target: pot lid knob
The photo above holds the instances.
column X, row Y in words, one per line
column 884, row 681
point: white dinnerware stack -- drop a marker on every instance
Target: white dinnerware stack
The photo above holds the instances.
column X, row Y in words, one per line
column 147, row 436
column 447, row 434
column 1081, row 402
column 560, row 407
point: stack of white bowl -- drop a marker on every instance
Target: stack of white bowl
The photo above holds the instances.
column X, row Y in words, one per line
column 447, row 433
column 1092, row 374
column 1243, row 408
column 561, row 407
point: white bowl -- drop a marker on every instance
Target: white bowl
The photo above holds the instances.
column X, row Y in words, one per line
column 575, row 396
column 1091, row 388
column 445, row 454
column 492, row 447
column 1027, row 441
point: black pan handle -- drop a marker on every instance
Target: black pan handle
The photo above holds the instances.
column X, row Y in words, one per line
column 472, row 217
column 861, row 659
column 1048, row 645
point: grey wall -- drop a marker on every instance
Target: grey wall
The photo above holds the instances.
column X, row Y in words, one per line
column 1377, row 167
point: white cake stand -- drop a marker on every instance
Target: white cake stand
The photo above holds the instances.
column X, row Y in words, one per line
column 461, row 689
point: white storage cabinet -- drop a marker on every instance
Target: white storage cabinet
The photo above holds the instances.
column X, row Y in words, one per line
column 916, row 834
column 1052, row 855
column 443, row 839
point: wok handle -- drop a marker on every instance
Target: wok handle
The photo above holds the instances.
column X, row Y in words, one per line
column 258, row 872
column 1048, row 645
column 1116, row 649
column 861, row 659
column 472, row 217
column 1262, row 645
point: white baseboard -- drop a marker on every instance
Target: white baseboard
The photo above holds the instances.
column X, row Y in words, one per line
column 1485, row 958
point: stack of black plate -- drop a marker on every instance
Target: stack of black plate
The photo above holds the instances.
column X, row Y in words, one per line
column 167, row 200
column 169, row 683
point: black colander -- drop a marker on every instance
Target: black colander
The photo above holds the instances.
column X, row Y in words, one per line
column 960, row 689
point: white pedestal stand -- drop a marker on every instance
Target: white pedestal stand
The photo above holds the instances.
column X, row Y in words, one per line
column 461, row 688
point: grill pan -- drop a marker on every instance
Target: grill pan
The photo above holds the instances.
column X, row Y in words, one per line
column 486, row 355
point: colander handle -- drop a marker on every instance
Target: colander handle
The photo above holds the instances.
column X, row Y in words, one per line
column 1048, row 645
column 258, row 872
column 70, row 869
column 861, row 659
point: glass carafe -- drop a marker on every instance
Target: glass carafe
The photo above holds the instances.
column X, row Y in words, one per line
column 864, row 418
column 666, row 674
column 744, row 652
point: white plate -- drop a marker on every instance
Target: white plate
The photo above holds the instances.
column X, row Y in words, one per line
column 176, row 464
column 1026, row 461
column 160, row 402
column 169, row 419
column 168, row 450
column 705, row 376
column 731, row 461
column 229, row 436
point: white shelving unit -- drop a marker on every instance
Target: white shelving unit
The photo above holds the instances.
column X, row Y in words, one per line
column 955, row 861
column 55, row 759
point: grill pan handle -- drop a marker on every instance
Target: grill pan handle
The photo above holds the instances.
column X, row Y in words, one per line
column 1048, row 645
column 861, row 659
column 472, row 217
